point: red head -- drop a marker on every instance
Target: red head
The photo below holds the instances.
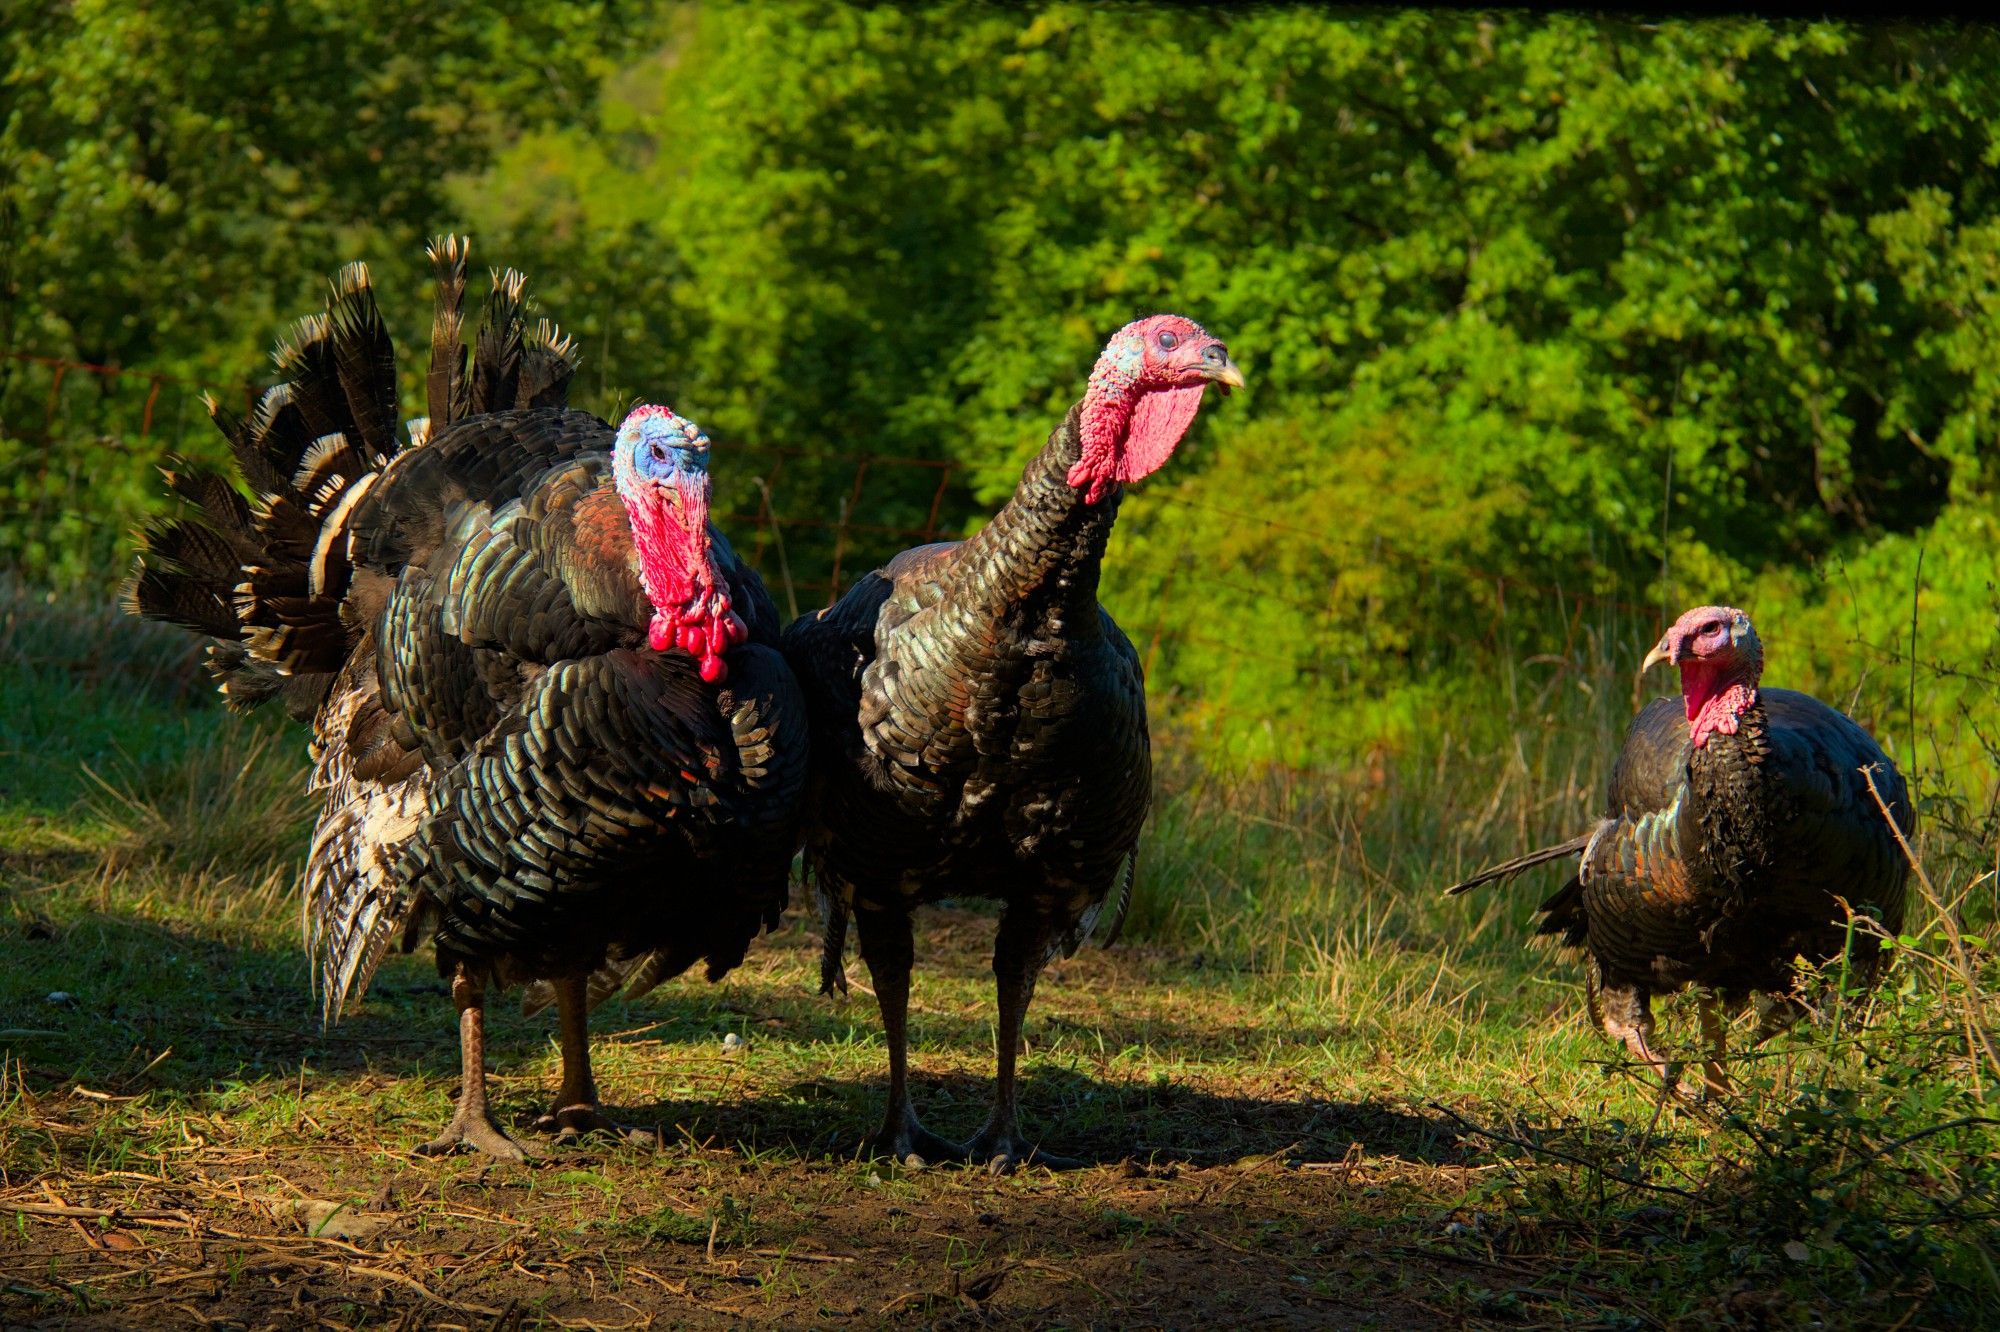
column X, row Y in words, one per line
column 1143, row 395
column 660, row 463
column 1721, row 660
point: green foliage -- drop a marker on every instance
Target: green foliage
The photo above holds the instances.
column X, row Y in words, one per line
column 176, row 181
column 1552, row 324
column 1519, row 299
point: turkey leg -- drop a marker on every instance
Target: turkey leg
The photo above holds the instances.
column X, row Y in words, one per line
column 1776, row 1014
column 576, row 1110
column 1714, row 1035
column 472, row 1123
column 1018, row 954
column 886, row 948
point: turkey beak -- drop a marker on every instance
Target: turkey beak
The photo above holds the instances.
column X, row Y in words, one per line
column 1219, row 370
column 1662, row 651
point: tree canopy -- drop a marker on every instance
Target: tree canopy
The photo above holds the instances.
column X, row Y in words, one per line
column 1645, row 314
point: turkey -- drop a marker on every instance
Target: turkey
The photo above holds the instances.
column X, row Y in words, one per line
column 1738, row 830
column 551, row 723
column 979, row 722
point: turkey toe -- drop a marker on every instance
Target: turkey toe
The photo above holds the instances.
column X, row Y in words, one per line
column 475, row 1132
column 1005, row 1153
column 571, row 1122
column 908, row 1142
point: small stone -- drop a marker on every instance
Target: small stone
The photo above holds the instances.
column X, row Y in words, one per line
column 734, row 1042
column 60, row 997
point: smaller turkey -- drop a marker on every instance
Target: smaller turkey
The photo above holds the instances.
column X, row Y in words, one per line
column 1738, row 833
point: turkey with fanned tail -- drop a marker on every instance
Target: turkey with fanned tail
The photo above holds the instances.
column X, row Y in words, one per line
column 1739, row 832
column 551, row 726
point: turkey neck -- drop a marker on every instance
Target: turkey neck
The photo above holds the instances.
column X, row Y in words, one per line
column 1039, row 558
column 1732, row 804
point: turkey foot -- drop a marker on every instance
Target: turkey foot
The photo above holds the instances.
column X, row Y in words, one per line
column 1004, row 1152
column 571, row 1122
column 474, row 1127
column 576, row 1110
column 472, row 1124
column 905, row 1140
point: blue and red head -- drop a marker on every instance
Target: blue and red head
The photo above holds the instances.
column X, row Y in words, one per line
column 660, row 463
column 1144, row 393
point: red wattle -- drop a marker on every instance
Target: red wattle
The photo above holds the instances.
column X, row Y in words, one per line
column 712, row 668
column 1159, row 419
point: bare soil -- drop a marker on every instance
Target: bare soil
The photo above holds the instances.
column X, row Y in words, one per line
column 1232, row 1188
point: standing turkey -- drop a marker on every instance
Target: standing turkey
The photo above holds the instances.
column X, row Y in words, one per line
column 979, row 722
column 551, row 722
column 1738, row 830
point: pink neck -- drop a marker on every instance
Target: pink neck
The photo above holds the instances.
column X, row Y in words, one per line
column 1101, row 428
column 1715, row 700
column 691, row 603
column 1127, row 433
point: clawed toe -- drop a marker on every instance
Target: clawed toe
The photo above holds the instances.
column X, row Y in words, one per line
column 571, row 1122
column 1004, row 1154
column 909, row 1143
column 475, row 1133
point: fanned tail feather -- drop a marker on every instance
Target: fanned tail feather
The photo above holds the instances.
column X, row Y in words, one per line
column 266, row 579
column 444, row 387
column 496, row 361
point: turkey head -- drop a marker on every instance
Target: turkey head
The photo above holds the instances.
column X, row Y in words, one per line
column 1144, row 393
column 660, row 462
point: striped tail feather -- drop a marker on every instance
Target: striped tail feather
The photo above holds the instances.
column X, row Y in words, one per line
column 1508, row 869
column 354, row 904
column 445, row 389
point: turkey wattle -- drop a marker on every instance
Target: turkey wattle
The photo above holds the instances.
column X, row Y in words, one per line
column 552, row 726
column 979, row 722
column 1738, row 830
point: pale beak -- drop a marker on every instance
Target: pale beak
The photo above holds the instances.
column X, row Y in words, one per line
column 1226, row 374
column 1661, row 652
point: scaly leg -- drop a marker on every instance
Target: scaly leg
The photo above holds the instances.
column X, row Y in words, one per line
column 472, row 1123
column 1018, row 955
column 886, row 948
column 576, row 1111
column 1715, row 1037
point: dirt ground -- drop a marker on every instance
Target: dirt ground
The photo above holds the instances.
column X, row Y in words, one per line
column 1229, row 1191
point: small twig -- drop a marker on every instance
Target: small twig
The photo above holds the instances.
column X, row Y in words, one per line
column 1587, row 1163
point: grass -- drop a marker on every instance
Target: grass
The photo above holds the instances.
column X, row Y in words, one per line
column 1316, row 1094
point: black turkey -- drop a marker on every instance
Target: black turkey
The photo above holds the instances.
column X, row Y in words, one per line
column 551, row 722
column 1738, row 831
column 979, row 722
